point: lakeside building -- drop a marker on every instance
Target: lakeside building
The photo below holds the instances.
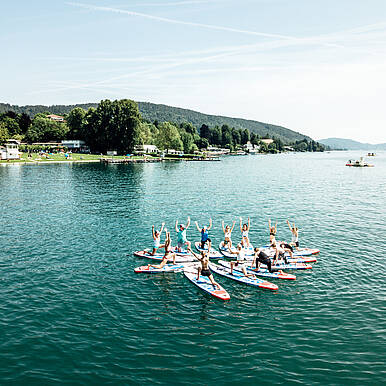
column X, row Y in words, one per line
column 149, row 149
column 75, row 145
column 10, row 150
column 213, row 150
column 56, row 118
column 267, row 141
column 249, row 148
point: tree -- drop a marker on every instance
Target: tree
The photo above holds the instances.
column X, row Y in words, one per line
column 4, row 135
column 236, row 136
column 203, row 143
column 75, row 122
column 11, row 124
column 113, row 126
column 226, row 135
column 216, row 136
column 147, row 133
column 168, row 137
column 205, row 132
column 44, row 130
column 245, row 136
column 187, row 141
column 24, row 122
column 188, row 127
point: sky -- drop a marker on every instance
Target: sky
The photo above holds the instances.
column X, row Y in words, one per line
column 314, row 66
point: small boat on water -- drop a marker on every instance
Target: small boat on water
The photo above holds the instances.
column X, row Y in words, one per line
column 371, row 154
column 359, row 164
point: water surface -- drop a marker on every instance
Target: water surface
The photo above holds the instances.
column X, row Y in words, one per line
column 72, row 310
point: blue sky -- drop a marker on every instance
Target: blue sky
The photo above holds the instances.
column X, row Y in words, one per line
column 315, row 66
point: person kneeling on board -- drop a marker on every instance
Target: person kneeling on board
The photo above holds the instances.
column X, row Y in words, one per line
column 169, row 255
column 204, row 269
column 204, row 233
column 156, row 239
column 262, row 258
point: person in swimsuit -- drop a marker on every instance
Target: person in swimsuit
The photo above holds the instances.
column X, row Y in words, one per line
column 181, row 235
column 204, row 233
column 227, row 236
column 169, row 255
column 244, row 232
column 262, row 258
column 272, row 231
column 204, row 269
column 240, row 261
column 156, row 239
column 295, row 236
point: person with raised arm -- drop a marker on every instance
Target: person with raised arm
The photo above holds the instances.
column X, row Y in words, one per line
column 244, row 232
column 204, row 233
column 181, row 235
column 204, row 270
column 156, row 239
column 227, row 243
column 169, row 255
column 295, row 236
column 272, row 231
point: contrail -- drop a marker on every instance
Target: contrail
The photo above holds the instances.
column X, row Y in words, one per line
column 187, row 23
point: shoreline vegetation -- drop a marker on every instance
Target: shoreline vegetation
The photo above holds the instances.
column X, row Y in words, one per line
column 117, row 126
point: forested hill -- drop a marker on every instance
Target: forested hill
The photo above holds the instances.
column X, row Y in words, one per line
column 162, row 113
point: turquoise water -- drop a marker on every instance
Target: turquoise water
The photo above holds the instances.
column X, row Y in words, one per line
column 72, row 310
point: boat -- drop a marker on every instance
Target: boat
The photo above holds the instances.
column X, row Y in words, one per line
column 371, row 154
column 359, row 164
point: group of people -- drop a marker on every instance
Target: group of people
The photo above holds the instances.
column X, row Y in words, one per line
column 260, row 256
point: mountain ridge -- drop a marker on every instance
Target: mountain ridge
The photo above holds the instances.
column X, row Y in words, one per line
column 349, row 144
column 160, row 112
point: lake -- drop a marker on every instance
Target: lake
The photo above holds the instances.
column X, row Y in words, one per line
column 73, row 311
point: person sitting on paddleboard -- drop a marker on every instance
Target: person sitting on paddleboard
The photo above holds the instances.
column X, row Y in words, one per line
column 204, row 233
column 227, row 243
column 244, row 232
column 262, row 258
column 181, row 235
column 272, row 231
column 169, row 255
column 240, row 261
column 157, row 239
column 204, row 269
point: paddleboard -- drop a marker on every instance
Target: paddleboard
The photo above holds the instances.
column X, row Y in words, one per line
column 158, row 256
column 213, row 254
column 204, row 284
column 249, row 253
column 304, row 259
column 165, row 269
column 261, row 272
column 239, row 277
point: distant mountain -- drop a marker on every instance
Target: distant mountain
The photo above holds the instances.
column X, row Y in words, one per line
column 162, row 113
column 349, row 144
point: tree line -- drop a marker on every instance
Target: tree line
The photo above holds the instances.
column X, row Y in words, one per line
column 118, row 125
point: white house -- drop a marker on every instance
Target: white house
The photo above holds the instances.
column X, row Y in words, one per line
column 248, row 147
column 10, row 150
column 149, row 149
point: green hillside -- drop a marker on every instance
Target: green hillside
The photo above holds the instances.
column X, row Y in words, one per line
column 162, row 113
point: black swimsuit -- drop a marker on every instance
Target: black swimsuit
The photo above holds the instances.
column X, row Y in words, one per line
column 206, row 272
